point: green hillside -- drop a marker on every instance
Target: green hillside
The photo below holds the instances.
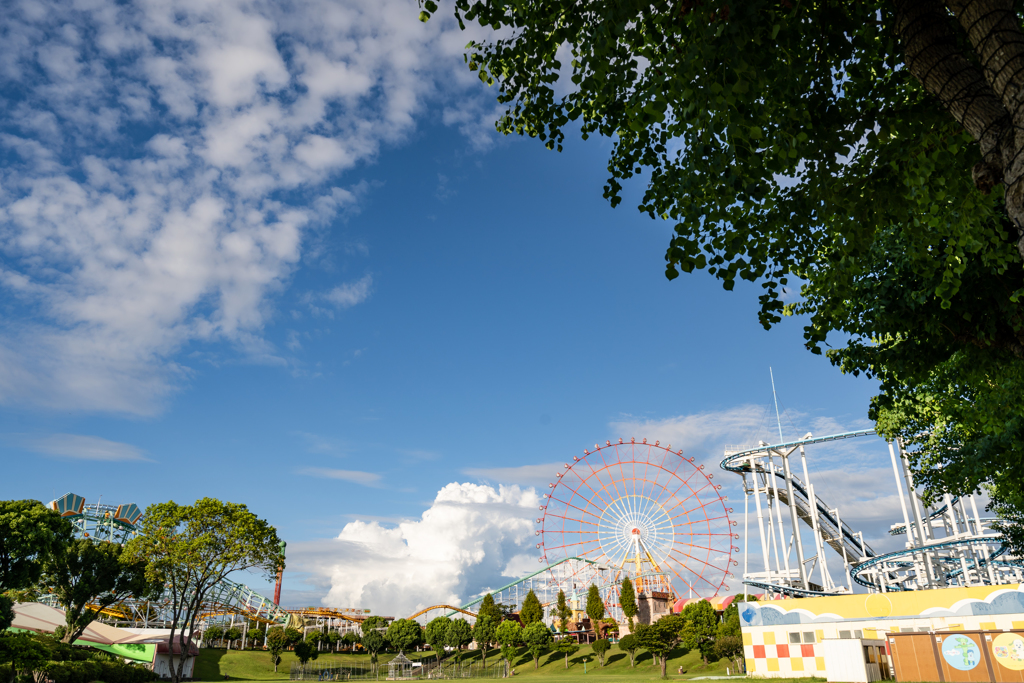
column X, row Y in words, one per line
column 214, row 664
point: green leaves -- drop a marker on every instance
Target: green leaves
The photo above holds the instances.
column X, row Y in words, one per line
column 29, row 533
column 87, row 577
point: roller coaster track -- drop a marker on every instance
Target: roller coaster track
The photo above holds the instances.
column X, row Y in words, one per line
column 907, row 555
column 332, row 613
column 521, row 579
column 449, row 607
column 840, row 540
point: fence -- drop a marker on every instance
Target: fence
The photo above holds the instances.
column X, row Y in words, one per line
column 447, row 669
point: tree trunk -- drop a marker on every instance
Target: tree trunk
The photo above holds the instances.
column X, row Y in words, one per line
column 566, row 660
column 632, row 661
column 664, row 666
column 984, row 92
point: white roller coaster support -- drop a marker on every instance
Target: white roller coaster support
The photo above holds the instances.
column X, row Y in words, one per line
column 919, row 523
column 746, row 515
column 778, row 519
column 760, row 516
column 899, row 491
column 846, row 558
column 819, row 546
column 793, row 520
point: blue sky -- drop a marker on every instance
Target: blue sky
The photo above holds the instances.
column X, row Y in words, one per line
column 276, row 255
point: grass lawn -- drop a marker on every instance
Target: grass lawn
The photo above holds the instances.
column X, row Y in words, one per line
column 214, row 664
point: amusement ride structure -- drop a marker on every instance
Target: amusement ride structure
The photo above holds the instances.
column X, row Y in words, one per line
column 950, row 545
column 645, row 511
column 641, row 510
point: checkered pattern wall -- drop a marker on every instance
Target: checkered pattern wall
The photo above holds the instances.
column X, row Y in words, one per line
column 768, row 658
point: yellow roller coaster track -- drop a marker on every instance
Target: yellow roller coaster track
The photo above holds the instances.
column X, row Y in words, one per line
column 328, row 612
column 457, row 609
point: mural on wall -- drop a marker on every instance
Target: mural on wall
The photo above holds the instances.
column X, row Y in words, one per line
column 960, row 652
column 1008, row 650
column 942, row 602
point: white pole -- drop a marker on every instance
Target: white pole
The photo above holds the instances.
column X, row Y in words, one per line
column 794, row 522
column 778, row 515
column 819, row 543
column 917, row 514
column 842, row 544
column 760, row 519
column 899, row 490
column 746, row 543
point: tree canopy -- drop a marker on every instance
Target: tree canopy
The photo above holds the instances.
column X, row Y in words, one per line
column 595, row 608
column 436, row 634
column 532, row 611
column 191, row 548
column 700, row 625
column 856, row 160
column 627, row 599
column 87, row 577
column 29, row 532
column 510, row 634
column 404, row 634
column 484, row 633
column 563, row 612
column 538, row 640
column 489, row 609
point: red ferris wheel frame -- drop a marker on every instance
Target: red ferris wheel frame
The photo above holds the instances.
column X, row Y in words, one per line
column 641, row 510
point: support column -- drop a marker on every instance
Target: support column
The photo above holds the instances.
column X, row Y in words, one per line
column 794, row 520
column 778, row 515
column 760, row 520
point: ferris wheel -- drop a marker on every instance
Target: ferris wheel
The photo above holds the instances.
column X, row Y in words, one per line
column 639, row 510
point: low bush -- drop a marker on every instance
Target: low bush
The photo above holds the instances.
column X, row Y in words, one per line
column 107, row 671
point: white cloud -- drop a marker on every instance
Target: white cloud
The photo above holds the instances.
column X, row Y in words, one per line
column 461, row 545
column 169, row 161
column 350, row 294
column 356, row 477
column 80, row 447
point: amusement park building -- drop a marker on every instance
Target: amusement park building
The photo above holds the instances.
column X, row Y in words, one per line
column 787, row 638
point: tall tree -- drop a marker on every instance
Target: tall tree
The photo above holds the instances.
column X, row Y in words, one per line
column 436, row 634
column 532, row 611
column 563, row 612
column 87, row 577
column 510, row 635
column 277, row 641
column 29, row 532
column 404, row 634
column 192, row 548
column 538, row 640
column 700, row 627
column 627, row 599
column 459, row 635
column 305, row 651
column 896, row 200
column 630, row 644
column 489, row 609
column 373, row 642
column 567, row 647
column 484, row 633
column 595, row 608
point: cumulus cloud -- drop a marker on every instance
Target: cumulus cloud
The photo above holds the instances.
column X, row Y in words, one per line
column 81, row 447
column 467, row 540
column 164, row 163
